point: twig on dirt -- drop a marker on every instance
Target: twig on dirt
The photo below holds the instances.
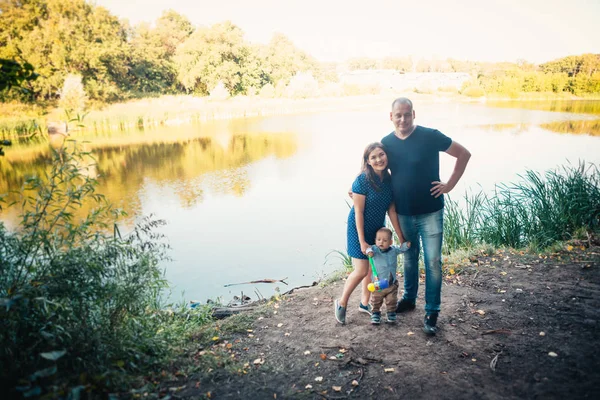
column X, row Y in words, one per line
column 258, row 281
column 503, row 331
column 494, row 362
column 299, row 287
column 337, row 347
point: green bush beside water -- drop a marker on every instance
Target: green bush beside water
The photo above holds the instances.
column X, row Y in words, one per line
column 536, row 212
column 80, row 303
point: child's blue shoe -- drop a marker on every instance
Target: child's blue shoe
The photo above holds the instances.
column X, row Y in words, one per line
column 375, row 318
column 391, row 318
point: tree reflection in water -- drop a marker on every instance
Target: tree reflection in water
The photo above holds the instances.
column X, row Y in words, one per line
column 188, row 167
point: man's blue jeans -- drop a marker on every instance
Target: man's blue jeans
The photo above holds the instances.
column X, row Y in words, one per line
column 426, row 229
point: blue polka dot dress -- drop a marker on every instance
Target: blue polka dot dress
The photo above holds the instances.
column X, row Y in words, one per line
column 377, row 203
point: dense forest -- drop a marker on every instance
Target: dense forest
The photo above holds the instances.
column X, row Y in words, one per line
column 116, row 61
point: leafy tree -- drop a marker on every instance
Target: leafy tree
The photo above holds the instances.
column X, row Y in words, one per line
column 152, row 49
column 282, row 59
column 59, row 37
column 586, row 64
column 215, row 54
column 15, row 74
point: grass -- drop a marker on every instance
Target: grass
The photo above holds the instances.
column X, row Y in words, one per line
column 344, row 258
column 461, row 222
column 535, row 212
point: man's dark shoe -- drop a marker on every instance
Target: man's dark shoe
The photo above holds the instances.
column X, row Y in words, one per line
column 430, row 324
column 405, row 305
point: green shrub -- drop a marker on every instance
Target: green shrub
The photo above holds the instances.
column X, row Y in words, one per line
column 80, row 304
column 536, row 212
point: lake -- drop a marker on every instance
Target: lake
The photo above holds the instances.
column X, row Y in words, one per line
column 257, row 198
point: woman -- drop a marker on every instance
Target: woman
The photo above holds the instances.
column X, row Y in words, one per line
column 372, row 197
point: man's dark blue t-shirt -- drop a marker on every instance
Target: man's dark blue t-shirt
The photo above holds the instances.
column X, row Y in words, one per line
column 414, row 163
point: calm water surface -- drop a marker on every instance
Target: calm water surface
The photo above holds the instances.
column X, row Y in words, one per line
column 266, row 197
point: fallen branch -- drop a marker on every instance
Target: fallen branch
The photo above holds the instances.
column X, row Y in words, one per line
column 259, row 281
column 299, row 287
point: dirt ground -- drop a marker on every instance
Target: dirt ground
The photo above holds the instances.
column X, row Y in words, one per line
column 512, row 326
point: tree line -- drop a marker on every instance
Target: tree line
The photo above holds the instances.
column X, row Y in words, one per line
column 117, row 61
column 578, row 74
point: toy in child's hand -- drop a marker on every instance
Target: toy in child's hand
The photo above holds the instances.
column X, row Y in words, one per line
column 378, row 284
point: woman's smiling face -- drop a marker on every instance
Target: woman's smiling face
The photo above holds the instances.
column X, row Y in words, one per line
column 378, row 160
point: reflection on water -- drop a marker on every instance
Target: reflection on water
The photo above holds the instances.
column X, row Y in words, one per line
column 243, row 201
column 575, row 127
column 585, row 127
column 571, row 106
column 122, row 170
column 513, row 128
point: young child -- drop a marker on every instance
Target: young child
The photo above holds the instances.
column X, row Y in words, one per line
column 385, row 260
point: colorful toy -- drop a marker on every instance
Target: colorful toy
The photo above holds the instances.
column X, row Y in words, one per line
column 377, row 284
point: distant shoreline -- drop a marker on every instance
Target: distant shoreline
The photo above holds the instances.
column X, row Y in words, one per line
column 20, row 120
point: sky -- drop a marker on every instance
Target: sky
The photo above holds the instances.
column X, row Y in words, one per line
column 335, row 30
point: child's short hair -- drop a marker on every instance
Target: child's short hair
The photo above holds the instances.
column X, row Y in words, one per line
column 386, row 230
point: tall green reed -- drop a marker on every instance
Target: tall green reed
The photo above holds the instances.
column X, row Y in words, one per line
column 460, row 223
column 537, row 211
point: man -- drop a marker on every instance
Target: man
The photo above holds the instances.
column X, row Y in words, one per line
column 413, row 159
